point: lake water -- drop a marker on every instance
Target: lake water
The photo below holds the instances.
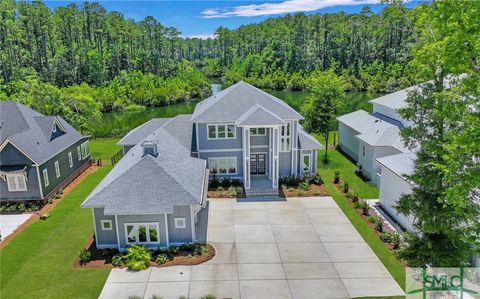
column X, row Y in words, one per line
column 119, row 123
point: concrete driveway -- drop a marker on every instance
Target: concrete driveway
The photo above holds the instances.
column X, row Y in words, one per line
column 295, row 248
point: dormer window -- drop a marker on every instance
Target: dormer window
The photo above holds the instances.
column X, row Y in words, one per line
column 54, row 130
column 150, row 147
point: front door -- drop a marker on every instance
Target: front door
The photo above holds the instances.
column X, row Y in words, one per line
column 258, row 163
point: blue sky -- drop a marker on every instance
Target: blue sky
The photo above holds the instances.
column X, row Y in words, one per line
column 200, row 18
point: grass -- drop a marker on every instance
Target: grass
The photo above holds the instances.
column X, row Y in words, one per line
column 38, row 263
column 366, row 191
column 104, row 148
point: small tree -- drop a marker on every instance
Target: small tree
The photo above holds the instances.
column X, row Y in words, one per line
column 321, row 108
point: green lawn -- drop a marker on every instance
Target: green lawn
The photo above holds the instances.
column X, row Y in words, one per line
column 365, row 191
column 104, row 148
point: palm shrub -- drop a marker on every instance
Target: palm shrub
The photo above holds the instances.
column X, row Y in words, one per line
column 336, row 176
column 355, row 197
column 379, row 225
column 117, row 259
column 137, row 258
column 345, row 187
column 372, row 219
column 365, row 208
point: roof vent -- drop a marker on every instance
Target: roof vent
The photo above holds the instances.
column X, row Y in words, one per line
column 149, row 147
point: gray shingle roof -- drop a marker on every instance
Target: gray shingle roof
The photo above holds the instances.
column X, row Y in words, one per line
column 139, row 133
column 232, row 102
column 149, row 185
column 181, row 128
column 363, row 122
column 259, row 116
column 385, row 137
column 28, row 131
column 400, row 164
column 307, row 141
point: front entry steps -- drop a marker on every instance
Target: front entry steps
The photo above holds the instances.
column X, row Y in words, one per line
column 261, row 191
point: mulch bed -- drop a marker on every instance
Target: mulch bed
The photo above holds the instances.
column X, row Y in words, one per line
column 222, row 194
column 314, row 190
column 102, row 258
column 49, row 206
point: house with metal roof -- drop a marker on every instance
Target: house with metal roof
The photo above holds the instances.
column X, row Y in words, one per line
column 39, row 155
column 153, row 196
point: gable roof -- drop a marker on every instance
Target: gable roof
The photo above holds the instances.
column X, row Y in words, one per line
column 139, row 133
column 146, row 184
column 385, row 137
column 232, row 102
column 363, row 122
column 400, row 164
column 31, row 131
column 259, row 116
column 307, row 141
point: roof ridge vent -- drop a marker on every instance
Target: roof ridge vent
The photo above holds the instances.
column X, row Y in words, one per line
column 149, row 147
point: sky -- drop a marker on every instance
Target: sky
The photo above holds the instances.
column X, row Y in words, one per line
column 200, row 18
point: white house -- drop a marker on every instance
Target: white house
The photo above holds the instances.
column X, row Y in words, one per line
column 387, row 107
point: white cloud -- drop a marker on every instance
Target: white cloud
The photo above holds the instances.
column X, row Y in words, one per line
column 288, row 6
column 201, row 36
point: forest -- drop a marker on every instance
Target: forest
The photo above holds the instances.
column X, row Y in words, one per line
column 83, row 60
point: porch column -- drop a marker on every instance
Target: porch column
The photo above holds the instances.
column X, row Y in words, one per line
column 246, row 158
column 270, row 152
column 166, row 230
column 275, row 160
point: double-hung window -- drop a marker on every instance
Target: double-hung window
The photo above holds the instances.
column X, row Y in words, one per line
column 70, row 159
column 46, row 182
column 306, row 163
column 223, row 165
column 16, row 182
column 141, row 233
column 85, row 149
column 285, row 138
column 258, row 132
column 79, row 153
column 57, row 169
column 221, row 131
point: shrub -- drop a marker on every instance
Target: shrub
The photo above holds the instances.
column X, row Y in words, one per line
column 301, row 192
column 173, row 250
column 239, row 191
column 209, row 297
column 345, row 187
column 231, row 191
column 386, row 237
column 396, row 240
column 198, row 249
column 315, row 179
column 336, row 176
column 186, row 247
column 364, row 207
column 379, row 225
column 355, row 197
column 226, row 182
column 357, row 205
column 305, row 186
column 44, row 216
column 214, row 182
column 117, row 260
column 284, row 187
column 372, row 219
column 290, row 180
column 162, row 259
column 316, row 193
column 137, row 258
column 85, row 256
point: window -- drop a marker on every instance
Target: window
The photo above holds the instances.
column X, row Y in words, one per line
column 70, row 159
column 57, row 169
column 306, row 163
column 85, row 149
column 363, row 151
column 54, row 128
column 223, row 131
column 224, row 165
column 180, row 223
column 258, row 132
column 141, row 233
column 16, row 183
column 79, row 153
column 45, row 177
column 285, row 138
column 106, row 224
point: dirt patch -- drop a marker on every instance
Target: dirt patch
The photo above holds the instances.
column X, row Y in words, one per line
column 313, row 190
column 49, row 206
column 102, row 258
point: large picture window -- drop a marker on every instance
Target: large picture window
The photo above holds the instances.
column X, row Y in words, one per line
column 141, row 233
column 285, row 138
column 221, row 131
column 224, row 165
column 16, row 183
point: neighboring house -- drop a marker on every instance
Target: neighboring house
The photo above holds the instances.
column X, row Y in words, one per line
column 39, row 155
column 154, row 194
column 387, row 107
column 394, row 184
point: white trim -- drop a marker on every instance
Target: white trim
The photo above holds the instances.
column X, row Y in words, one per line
column 177, row 225
column 103, row 222
column 15, row 185
column 39, row 182
column 256, row 134
column 147, row 232
column 118, row 234
column 221, row 150
column 166, row 231
column 107, row 246
column 70, row 159
column 196, row 135
column 46, row 180
column 95, row 227
column 225, row 125
column 225, row 158
column 57, row 169
column 79, row 153
column 259, row 146
column 192, row 221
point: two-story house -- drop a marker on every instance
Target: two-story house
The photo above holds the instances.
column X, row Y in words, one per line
column 154, row 194
column 39, row 154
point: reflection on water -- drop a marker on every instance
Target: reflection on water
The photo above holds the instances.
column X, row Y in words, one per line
column 119, row 123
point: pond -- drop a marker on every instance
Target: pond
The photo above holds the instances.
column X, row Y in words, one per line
column 119, row 123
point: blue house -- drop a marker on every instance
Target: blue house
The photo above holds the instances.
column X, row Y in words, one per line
column 154, row 194
column 39, row 155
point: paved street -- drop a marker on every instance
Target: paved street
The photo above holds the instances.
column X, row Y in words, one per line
column 295, row 248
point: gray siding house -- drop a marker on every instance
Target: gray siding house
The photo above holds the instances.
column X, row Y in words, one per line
column 154, row 194
column 38, row 154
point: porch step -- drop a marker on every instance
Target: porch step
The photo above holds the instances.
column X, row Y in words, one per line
column 266, row 191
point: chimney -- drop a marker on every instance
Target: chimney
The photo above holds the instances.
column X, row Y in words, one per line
column 149, row 147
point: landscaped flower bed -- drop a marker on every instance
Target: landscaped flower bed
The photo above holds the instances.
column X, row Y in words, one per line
column 307, row 185
column 138, row 257
column 225, row 187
